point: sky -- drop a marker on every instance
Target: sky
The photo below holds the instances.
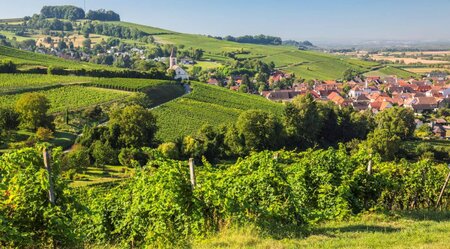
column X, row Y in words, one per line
column 314, row 20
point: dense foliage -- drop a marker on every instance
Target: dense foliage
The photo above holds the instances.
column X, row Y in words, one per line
column 279, row 192
column 257, row 39
column 63, row 12
column 103, row 15
column 112, row 30
column 27, row 217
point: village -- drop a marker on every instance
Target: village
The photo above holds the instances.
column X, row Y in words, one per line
column 375, row 94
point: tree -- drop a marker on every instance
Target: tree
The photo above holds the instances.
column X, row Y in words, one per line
column 131, row 157
column 62, row 45
column 103, row 153
column 350, row 74
column 7, row 67
column 192, row 147
column 33, row 108
column 302, row 121
column 381, row 141
column 77, row 159
column 169, row 150
column 87, row 43
column 423, row 131
column 197, row 54
column 137, row 126
column 9, row 119
column 243, row 88
column 397, row 121
column 44, row 134
column 260, row 130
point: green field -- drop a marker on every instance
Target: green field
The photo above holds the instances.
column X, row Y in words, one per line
column 26, row 58
column 405, row 230
column 71, row 97
column 128, row 83
column 11, row 83
column 206, row 105
column 159, row 91
column 93, row 175
column 389, row 71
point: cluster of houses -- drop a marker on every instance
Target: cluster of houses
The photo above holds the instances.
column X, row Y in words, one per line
column 376, row 94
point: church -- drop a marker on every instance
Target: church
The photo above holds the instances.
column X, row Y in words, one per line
column 180, row 73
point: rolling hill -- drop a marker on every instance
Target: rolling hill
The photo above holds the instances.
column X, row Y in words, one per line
column 305, row 64
column 206, row 105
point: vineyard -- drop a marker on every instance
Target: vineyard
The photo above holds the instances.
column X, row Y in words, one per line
column 12, row 83
column 206, row 105
column 26, row 58
column 71, row 97
column 127, row 84
column 276, row 195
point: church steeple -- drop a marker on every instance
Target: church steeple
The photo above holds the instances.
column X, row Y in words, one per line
column 173, row 58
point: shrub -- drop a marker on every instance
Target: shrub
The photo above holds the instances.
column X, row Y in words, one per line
column 169, row 150
column 44, row 134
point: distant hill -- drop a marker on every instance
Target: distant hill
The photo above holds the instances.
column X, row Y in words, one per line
column 289, row 56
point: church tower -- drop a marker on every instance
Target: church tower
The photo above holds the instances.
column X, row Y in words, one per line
column 173, row 58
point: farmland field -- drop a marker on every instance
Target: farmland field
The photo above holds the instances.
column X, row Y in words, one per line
column 409, row 60
column 388, row 71
column 206, row 105
column 423, row 70
column 71, row 97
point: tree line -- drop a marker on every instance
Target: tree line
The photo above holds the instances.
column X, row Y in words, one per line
column 74, row 13
column 112, row 30
column 257, row 39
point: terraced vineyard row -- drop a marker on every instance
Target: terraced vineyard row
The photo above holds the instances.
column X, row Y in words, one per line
column 22, row 57
column 10, row 83
column 126, row 84
column 17, row 83
column 206, row 104
column 71, row 97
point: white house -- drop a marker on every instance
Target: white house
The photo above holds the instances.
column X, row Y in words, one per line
column 180, row 73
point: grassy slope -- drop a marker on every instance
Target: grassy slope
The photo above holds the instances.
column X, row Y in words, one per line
column 306, row 64
column 388, row 71
column 71, row 97
column 12, row 85
column 26, row 58
column 420, row 230
column 206, row 105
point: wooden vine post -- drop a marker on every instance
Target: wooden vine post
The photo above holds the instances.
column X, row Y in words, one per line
column 47, row 163
column 192, row 172
column 369, row 165
column 443, row 190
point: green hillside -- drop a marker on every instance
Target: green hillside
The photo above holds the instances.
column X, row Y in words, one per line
column 305, row 64
column 389, row 70
column 71, row 97
column 78, row 92
column 206, row 105
column 26, row 58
